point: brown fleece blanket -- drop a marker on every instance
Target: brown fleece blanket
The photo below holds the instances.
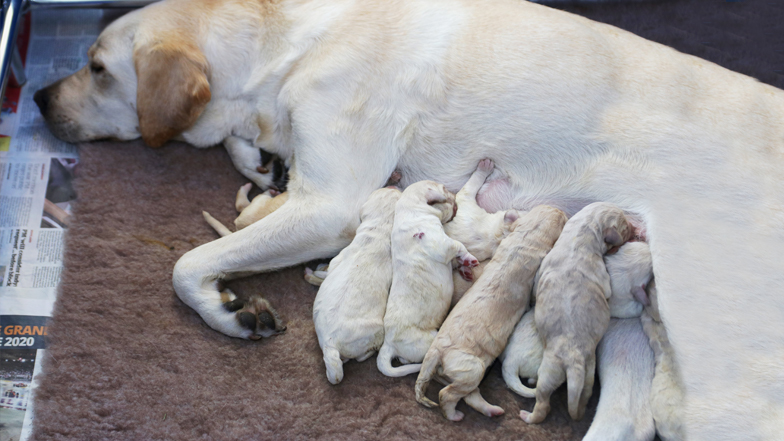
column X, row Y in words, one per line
column 127, row 360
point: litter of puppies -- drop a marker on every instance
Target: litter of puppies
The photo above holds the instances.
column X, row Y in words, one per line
column 433, row 280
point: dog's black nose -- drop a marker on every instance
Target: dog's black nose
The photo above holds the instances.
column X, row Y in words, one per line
column 41, row 98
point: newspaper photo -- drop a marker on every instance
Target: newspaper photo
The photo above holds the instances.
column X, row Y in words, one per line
column 36, row 199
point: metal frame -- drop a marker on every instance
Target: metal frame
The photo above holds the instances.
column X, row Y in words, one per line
column 10, row 59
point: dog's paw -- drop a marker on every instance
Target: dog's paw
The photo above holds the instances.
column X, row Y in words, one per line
column 466, row 273
column 485, row 165
column 255, row 314
column 455, row 417
column 469, row 260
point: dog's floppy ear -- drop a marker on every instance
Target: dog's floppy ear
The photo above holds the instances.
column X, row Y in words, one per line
column 434, row 196
column 172, row 89
column 612, row 237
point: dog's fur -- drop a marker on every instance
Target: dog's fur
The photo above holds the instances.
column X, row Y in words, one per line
column 625, row 371
column 571, row 305
column 571, row 111
column 667, row 392
column 522, row 356
column 630, row 270
column 421, row 289
column 349, row 309
column 477, row 329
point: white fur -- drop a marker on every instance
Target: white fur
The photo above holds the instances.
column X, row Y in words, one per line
column 349, row 309
column 347, row 91
column 667, row 392
column 421, row 289
column 630, row 270
column 522, row 356
column 625, row 371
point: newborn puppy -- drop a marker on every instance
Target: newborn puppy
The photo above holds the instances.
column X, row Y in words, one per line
column 571, row 305
column 421, row 275
column 625, row 371
column 349, row 309
column 478, row 230
column 477, row 329
column 630, row 270
column 522, row 356
column 667, row 389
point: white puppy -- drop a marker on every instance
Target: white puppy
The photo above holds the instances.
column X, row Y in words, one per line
column 630, row 271
column 478, row 230
column 571, row 305
column 421, row 289
column 349, row 309
column 479, row 326
column 522, row 356
column 625, row 370
column 667, row 396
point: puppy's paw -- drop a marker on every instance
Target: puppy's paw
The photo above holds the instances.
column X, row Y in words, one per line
column 255, row 314
column 485, row 165
column 456, row 416
column 468, row 260
column 466, row 273
column 493, row 411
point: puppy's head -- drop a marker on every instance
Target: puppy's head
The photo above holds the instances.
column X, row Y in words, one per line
column 615, row 229
column 139, row 81
column 440, row 201
column 547, row 221
column 381, row 203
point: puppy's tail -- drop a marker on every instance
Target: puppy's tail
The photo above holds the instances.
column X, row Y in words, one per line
column 575, row 379
column 333, row 363
column 215, row 224
column 512, row 379
column 429, row 365
column 384, row 363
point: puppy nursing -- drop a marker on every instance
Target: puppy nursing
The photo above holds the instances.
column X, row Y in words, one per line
column 667, row 395
column 477, row 329
column 349, row 309
column 630, row 270
column 625, row 370
column 478, row 230
column 572, row 313
column 421, row 289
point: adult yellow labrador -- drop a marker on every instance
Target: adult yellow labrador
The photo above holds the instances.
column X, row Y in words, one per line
column 571, row 111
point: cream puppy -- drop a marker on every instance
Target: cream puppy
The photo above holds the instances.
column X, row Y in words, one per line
column 262, row 206
column 421, row 289
column 630, row 270
column 571, row 305
column 477, row 329
column 349, row 309
column 667, row 395
column 522, row 356
column 625, row 370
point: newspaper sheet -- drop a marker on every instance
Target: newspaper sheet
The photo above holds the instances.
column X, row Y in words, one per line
column 36, row 194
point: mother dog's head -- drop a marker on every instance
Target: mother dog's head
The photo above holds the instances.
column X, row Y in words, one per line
column 145, row 77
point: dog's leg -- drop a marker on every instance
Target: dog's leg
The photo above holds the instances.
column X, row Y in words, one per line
column 242, row 200
column 246, row 159
column 551, row 375
column 477, row 401
column 305, row 228
column 471, row 188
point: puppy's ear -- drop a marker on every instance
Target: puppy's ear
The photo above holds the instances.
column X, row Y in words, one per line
column 434, row 196
column 640, row 295
column 172, row 89
column 511, row 216
column 612, row 237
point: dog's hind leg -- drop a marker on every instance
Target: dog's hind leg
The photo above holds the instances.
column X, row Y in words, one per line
column 475, row 182
column 477, row 401
column 551, row 375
